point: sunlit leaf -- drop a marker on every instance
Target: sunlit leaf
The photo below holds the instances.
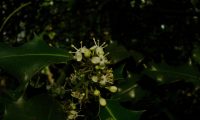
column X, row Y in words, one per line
column 114, row 111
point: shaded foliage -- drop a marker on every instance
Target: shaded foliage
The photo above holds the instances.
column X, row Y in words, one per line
column 143, row 31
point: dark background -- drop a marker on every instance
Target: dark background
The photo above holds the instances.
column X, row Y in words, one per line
column 161, row 30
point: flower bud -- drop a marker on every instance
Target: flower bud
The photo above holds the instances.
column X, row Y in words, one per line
column 94, row 78
column 73, row 106
column 86, row 52
column 96, row 92
column 102, row 101
column 112, row 89
column 97, row 67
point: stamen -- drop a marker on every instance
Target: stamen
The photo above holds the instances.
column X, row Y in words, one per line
column 74, row 47
column 106, row 54
column 103, row 44
column 94, row 41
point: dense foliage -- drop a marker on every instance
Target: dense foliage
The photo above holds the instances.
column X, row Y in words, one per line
column 93, row 59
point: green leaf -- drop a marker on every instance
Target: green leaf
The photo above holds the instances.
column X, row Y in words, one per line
column 127, row 88
column 165, row 73
column 196, row 54
column 118, row 73
column 24, row 61
column 117, row 52
column 41, row 107
column 114, row 111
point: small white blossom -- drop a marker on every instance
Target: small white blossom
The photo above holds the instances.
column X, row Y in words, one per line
column 99, row 51
column 98, row 48
column 96, row 60
column 78, row 54
column 85, row 51
column 103, row 80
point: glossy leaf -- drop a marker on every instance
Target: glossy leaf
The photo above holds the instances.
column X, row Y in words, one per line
column 196, row 54
column 114, row 111
column 24, row 61
column 118, row 73
column 165, row 73
column 117, row 52
column 127, row 88
column 41, row 107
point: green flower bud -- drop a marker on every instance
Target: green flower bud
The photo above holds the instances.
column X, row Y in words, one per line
column 112, row 89
column 87, row 53
column 96, row 92
column 94, row 78
column 102, row 101
column 73, row 106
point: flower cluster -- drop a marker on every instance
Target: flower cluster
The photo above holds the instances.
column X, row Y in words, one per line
column 91, row 75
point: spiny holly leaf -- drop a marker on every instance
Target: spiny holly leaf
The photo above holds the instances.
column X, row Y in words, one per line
column 114, row 111
column 126, row 88
column 24, row 61
column 165, row 73
column 41, row 107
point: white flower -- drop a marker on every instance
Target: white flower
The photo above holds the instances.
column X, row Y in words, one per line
column 78, row 56
column 96, row 60
column 101, row 60
column 99, row 51
column 85, row 51
column 103, row 80
column 98, row 48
